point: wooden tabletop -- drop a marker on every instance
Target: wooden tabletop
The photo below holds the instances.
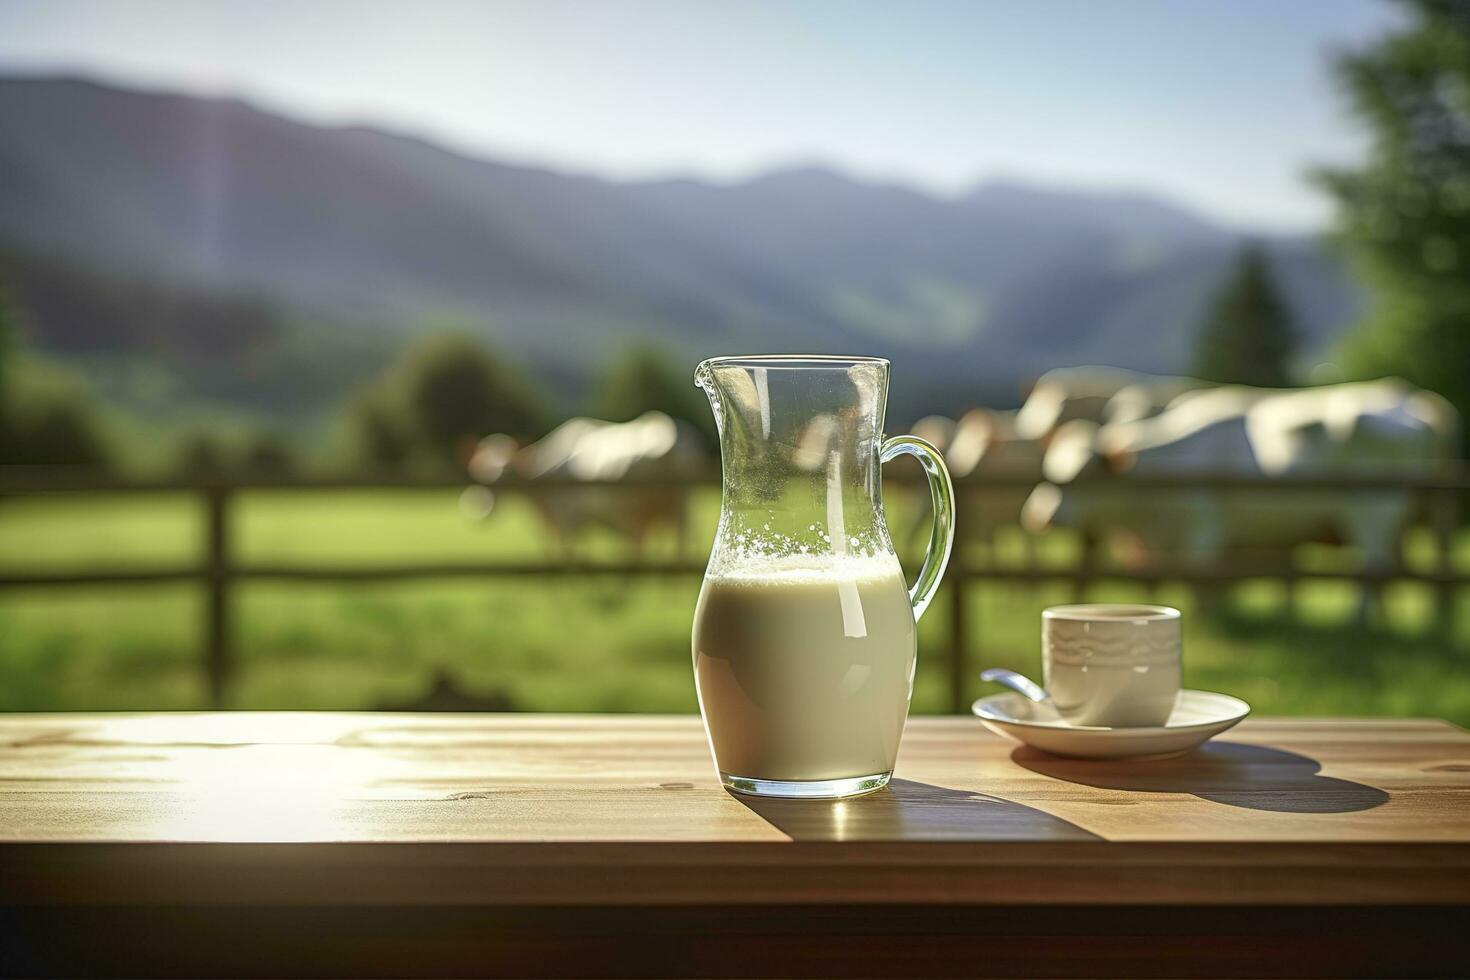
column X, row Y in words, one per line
column 626, row 809
column 514, row 845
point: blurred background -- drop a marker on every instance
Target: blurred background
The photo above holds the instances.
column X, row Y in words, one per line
column 346, row 348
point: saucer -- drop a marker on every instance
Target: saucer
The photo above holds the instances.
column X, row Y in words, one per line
column 1198, row 716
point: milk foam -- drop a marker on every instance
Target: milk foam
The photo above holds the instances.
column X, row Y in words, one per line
column 798, row 569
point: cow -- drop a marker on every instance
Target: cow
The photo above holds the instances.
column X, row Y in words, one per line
column 1361, row 427
column 584, row 449
column 1150, row 395
column 982, row 442
column 990, row 442
column 1096, row 394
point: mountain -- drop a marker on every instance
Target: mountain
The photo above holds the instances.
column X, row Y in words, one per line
column 358, row 226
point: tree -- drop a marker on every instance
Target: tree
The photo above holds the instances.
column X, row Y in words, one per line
column 455, row 392
column 59, row 433
column 1404, row 216
column 644, row 379
column 202, row 457
column 1247, row 337
column 8, row 334
column 50, row 418
column 268, row 455
column 379, row 433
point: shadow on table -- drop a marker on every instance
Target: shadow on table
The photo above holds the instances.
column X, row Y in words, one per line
column 909, row 810
column 1251, row 776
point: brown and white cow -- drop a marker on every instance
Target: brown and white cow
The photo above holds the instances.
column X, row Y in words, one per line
column 652, row 446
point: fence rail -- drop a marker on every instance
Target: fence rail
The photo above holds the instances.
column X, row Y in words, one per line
column 1441, row 492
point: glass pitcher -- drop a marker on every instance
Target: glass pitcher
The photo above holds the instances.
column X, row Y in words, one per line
column 804, row 637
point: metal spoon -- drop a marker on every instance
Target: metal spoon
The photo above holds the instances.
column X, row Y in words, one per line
column 1019, row 683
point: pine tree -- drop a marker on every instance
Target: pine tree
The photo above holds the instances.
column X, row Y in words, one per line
column 1247, row 337
column 1404, row 216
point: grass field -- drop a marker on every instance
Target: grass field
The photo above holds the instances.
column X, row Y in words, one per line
column 604, row 644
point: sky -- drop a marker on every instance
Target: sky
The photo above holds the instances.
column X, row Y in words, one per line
column 1220, row 105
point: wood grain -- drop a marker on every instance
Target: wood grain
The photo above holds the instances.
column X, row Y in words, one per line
column 622, row 810
column 387, row 845
column 374, row 777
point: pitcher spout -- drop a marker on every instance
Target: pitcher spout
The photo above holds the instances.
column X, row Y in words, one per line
column 767, row 398
column 704, row 379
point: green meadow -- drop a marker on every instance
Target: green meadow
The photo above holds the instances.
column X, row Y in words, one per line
column 596, row 643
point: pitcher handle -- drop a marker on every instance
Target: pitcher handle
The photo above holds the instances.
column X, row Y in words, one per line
column 941, row 492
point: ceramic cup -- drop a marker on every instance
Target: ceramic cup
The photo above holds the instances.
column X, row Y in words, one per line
column 1111, row 664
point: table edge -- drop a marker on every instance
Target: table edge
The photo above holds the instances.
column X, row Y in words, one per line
column 701, row 873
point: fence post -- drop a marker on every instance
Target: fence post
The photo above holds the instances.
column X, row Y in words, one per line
column 1443, row 518
column 681, row 537
column 957, row 581
column 217, row 586
column 1289, row 585
column 1086, row 565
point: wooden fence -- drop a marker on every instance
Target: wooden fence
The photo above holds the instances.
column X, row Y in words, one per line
column 218, row 572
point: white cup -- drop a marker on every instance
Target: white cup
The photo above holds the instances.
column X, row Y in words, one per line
column 1111, row 664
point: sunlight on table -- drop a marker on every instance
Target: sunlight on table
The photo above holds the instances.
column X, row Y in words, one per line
column 264, row 793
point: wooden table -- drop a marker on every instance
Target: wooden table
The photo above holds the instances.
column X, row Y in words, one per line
column 387, row 845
